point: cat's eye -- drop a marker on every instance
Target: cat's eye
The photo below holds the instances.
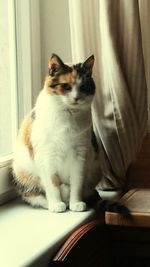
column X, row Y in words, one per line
column 66, row 86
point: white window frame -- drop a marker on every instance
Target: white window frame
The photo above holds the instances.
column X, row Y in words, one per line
column 25, row 70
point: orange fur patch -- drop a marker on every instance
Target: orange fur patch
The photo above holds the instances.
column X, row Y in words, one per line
column 59, row 91
column 26, row 178
column 56, row 180
column 69, row 78
column 25, row 133
column 28, row 194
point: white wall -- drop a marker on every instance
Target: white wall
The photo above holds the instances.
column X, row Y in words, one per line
column 55, row 31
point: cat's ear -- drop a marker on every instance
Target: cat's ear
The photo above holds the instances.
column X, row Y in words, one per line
column 55, row 64
column 88, row 64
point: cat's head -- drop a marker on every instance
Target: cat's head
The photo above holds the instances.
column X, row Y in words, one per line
column 74, row 84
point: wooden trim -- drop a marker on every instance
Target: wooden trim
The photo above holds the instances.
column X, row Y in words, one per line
column 73, row 239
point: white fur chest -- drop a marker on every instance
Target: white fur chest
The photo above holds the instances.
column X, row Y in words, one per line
column 61, row 135
column 56, row 122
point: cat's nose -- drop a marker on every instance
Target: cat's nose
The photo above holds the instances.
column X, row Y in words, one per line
column 76, row 98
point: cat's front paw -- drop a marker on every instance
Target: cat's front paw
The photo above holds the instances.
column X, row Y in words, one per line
column 57, row 207
column 78, row 206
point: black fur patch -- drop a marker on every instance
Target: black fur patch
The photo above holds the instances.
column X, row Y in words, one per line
column 60, row 71
column 22, row 189
column 87, row 85
column 93, row 199
column 33, row 115
column 94, row 142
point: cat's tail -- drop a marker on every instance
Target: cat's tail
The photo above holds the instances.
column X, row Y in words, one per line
column 101, row 205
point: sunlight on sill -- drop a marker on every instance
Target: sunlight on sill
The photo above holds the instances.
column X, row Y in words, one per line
column 29, row 236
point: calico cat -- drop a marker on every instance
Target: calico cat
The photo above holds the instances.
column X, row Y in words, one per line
column 56, row 161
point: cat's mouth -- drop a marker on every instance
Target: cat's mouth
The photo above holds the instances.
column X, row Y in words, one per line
column 74, row 103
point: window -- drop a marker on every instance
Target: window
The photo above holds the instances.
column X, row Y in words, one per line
column 20, row 76
column 6, row 93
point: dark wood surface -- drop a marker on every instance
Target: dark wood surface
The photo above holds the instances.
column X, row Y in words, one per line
column 131, row 245
column 139, row 172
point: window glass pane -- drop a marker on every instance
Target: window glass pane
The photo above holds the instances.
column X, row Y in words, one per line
column 5, row 90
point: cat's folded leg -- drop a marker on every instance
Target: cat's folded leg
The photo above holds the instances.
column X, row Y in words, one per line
column 57, row 206
column 65, row 193
column 76, row 203
column 78, row 206
column 53, row 194
column 50, row 181
column 76, row 194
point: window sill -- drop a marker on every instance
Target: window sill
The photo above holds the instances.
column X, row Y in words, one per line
column 29, row 237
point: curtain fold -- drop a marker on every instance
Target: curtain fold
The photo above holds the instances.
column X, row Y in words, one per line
column 112, row 31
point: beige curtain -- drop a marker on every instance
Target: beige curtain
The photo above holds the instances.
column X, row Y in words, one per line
column 111, row 29
column 144, row 10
